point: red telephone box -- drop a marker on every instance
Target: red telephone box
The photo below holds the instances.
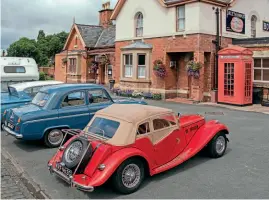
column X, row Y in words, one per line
column 235, row 77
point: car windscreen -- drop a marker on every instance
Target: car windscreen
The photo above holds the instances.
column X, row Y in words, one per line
column 104, row 127
column 41, row 99
column 12, row 91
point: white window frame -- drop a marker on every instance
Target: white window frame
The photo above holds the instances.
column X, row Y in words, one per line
column 141, row 66
column 253, row 26
column 139, row 24
column 262, row 70
column 129, row 65
column 181, row 18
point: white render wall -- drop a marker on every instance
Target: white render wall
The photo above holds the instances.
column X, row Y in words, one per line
column 260, row 8
column 200, row 18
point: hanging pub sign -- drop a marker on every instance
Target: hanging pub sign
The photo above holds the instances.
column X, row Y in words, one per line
column 265, row 25
column 235, row 22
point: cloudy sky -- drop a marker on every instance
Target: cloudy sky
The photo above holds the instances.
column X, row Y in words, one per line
column 24, row 18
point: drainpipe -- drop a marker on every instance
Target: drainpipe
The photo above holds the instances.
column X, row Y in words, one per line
column 66, row 65
column 217, row 43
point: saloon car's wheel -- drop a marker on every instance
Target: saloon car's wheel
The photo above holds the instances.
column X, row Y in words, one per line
column 53, row 138
column 217, row 146
column 74, row 152
column 129, row 176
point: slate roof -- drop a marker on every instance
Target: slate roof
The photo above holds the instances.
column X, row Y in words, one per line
column 138, row 45
column 97, row 36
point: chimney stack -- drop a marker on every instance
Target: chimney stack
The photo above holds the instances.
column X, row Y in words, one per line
column 105, row 15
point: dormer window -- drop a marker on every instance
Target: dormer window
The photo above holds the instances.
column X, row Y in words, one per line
column 253, row 26
column 139, row 24
column 181, row 18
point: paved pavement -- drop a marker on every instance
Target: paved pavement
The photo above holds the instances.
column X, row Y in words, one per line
column 12, row 187
column 241, row 173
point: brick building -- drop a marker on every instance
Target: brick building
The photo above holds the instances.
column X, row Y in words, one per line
column 177, row 32
column 88, row 46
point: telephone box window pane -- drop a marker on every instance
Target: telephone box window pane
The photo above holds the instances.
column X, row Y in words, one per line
column 257, row 74
column 248, row 86
column 229, row 79
column 266, row 75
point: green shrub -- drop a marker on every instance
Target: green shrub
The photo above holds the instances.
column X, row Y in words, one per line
column 157, row 96
column 42, row 76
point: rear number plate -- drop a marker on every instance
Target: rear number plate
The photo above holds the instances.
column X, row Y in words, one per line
column 64, row 170
column 11, row 126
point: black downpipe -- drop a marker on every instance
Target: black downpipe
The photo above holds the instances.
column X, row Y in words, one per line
column 217, row 42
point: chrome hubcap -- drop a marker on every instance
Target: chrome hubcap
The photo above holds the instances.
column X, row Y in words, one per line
column 73, row 151
column 220, row 144
column 55, row 137
column 131, row 175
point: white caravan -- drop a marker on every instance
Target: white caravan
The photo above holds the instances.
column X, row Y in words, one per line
column 16, row 69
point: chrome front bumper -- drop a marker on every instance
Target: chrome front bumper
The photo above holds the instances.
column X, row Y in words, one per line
column 12, row 133
column 70, row 180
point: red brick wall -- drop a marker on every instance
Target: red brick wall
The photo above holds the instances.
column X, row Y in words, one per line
column 258, row 48
column 48, row 70
column 72, row 41
column 104, row 17
column 166, row 48
column 60, row 68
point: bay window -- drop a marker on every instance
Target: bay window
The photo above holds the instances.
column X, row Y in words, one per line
column 261, row 69
column 141, row 67
column 128, row 65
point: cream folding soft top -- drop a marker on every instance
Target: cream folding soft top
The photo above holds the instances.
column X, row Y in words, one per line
column 129, row 116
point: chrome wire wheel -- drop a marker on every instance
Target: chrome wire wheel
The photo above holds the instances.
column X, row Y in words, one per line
column 131, row 175
column 55, row 137
column 73, row 152
column 220, row 144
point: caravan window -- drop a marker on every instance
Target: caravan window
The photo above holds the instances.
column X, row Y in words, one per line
column 14, row 69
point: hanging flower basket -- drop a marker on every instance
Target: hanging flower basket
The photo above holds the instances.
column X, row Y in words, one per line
column 64, row 60
column 104, row 60
column 94, row 66
column 193, row 68
column 159, row 69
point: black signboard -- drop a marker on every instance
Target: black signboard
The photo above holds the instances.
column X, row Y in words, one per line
column 265, row 26
column 235, row 22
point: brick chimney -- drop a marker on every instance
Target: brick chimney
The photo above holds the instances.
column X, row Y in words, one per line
column 105, row 14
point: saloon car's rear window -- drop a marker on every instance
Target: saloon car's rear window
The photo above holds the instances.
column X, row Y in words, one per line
column 104, row 127
column 41, row 99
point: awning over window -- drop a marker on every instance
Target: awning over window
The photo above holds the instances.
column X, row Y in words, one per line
column 137, row 45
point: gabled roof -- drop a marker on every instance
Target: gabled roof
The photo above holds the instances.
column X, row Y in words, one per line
column 90, row 34
column 93, row 36
column 171, row 3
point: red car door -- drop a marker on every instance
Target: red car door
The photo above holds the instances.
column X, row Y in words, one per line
column 166, row 139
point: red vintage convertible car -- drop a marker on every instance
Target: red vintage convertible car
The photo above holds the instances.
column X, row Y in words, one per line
column 123, row 143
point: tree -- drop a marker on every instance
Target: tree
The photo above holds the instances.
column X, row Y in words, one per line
column 42, row 50
column 41, row 35
column 24, row 47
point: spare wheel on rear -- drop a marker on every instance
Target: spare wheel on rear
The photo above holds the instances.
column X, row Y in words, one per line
column 74, row 152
